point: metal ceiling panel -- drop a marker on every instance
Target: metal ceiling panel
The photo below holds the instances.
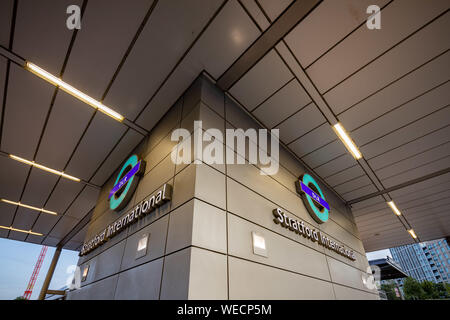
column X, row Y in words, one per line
column 260, row 82
column 406, row 134
column 66, row 124
column 51, row 241
column 157, row 51
column 40, row 184
column 338, row 164
column 433, row 166
column 359, row 192
column 44, row 224
column 26, row 107
column 120, row 152
column 427, row 206
column 382, row 242
column 63, row 195
column 352, row 185
column 325, row 154
column 6, row 214
column 274, row 8
column 423, row 46
column 408, row 113
column 313, row 140
column 3, row 67
column 63, row 227
column 34, row 239
column 400, row 19
column 107, row 29
column 6, row 12
column 409, row 87
column 388, row 222
column 24, row 218
column 225, row 39
column 438, row 182
column 80, row 235
column 345, row 175
column 423, row 195
column 230, row 33
column 307, row 119
column 369, row 203
column 44, row 41
column 328, row 24
column 73, row 245
column 13, row 175
column 102, row 134
column 415, row 161
column 83, row 203
column 15, row 235
column 256, row 13
column 438, row 211
column 411, row 148
column 289, row 99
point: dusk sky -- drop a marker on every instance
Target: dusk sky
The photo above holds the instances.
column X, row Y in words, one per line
column 17, row 260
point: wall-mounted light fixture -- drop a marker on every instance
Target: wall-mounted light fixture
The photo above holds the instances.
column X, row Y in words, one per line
column 259, row 244
column 142, row 245
column 85, row 273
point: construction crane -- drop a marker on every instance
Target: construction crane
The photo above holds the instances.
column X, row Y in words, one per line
column 34, row 275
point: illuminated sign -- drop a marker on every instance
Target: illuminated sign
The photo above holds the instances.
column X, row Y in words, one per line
column 314, row 235
column 144, row 207
column 126, row 183
column 313, row 198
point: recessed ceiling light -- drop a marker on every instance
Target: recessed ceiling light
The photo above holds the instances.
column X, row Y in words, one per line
column 20, row 230
column 348, row 142
column 28, row 206
column 34, row 164
column 412, row 233
column 73, row 91
column 394, row 208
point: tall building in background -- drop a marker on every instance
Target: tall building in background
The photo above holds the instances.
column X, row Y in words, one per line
column 424, row 261
column 437, row 255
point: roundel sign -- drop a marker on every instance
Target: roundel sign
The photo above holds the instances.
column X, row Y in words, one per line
column 126, row 183
column 313, row 198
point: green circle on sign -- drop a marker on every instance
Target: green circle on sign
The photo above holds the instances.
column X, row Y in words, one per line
column 320, row 215
column 116, row 201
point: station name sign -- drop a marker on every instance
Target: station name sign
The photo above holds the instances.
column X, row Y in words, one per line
column 144, row 207
column 301, row 228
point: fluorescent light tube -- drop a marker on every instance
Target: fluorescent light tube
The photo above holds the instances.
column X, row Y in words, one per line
column 20, row 230
column 348, row 142
column 34, row 164
column 412, row 233
column 73, row 91
column 28, row 206
column 394, row 208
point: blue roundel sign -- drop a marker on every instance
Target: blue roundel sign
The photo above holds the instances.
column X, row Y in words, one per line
column 313, row 198
column 126, row 183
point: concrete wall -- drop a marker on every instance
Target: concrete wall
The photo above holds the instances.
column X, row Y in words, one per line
column 200, row 243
